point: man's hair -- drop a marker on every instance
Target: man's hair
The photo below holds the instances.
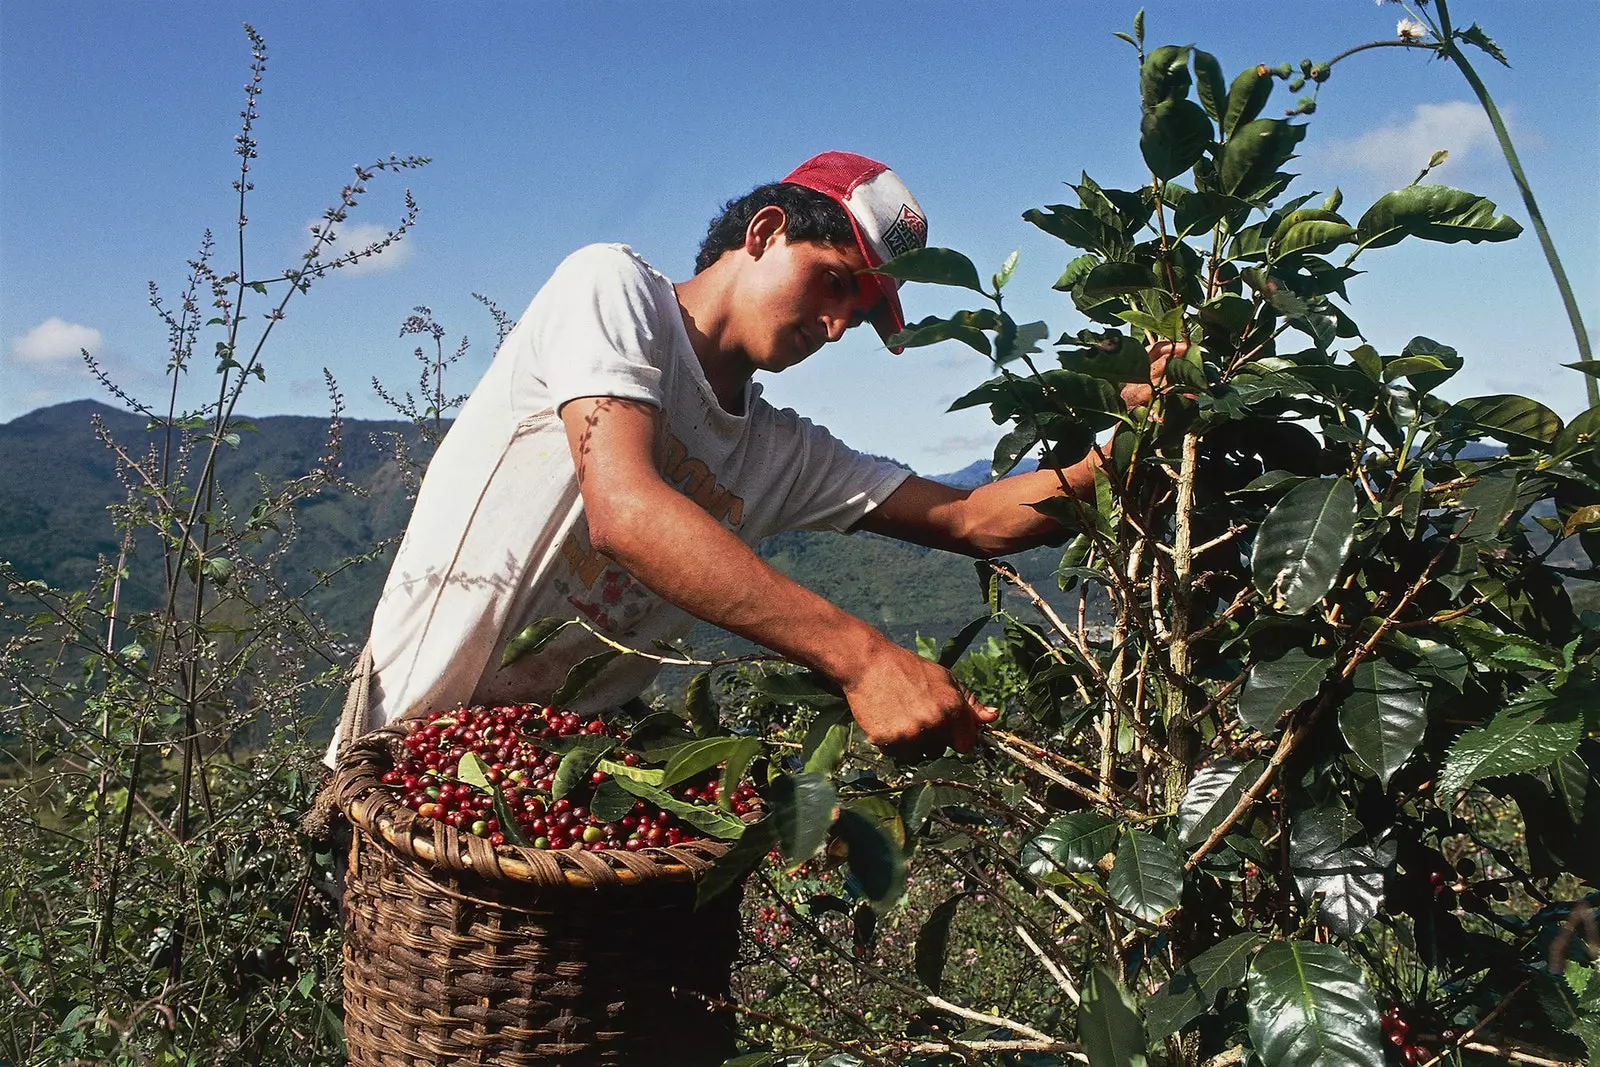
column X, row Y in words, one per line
column 812, row 216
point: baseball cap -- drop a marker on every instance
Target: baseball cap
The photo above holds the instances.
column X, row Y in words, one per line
column 886, row 218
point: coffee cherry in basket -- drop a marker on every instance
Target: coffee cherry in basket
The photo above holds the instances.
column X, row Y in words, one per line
column 513, row 763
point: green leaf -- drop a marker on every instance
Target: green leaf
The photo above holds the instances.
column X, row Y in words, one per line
column 800, row 687
column 1111, row 279
column 1108, row 1023
column 1490, row 500
column 1173, row 135
column 610, row 801
column 1512, row 420
column 1425, row 362
column 1003, row 275
column 701, row 708
column 874, row 859
column 803, row 807
column 581, row 676
column 1147, row 878
column 1280, row 685
column 964, row 326
column 1192, row 991
column 731, row 868
column 953, row 649
column 1330, row 860
column 1252, row 156
column 532, row 638
column 642, row 775
column 1310, row 1007
column 1517, row 739
column 1246, row 97
column 1077, row 227
column 1302, row 543
column 1384, row 718
column 472, row 770
column 1010, row 449
column 1309, row 230
column 827, row 741
column 1475, row 36
column 1164, row 75
column 738, row 763
column 1071, row 844
column 1211, row 795
column 937, row 266
column 932, row 941
column 1433, row 213
column 579, row 761
column 710, row 820
column 1209, row 86
column 699, row 756
column 1116, row 357
column 922, row 798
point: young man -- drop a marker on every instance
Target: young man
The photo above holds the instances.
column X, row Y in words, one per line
column 617, row 464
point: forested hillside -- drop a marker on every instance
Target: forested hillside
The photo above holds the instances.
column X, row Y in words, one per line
column 57, row 480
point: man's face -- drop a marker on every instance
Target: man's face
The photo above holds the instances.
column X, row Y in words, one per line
column 799, row 295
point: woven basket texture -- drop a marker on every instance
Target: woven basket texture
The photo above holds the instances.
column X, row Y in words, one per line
column 459, row 952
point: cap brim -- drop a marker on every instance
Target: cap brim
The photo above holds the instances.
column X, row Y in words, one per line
column 887, row 317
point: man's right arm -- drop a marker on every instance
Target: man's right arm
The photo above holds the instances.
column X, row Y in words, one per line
column 902, row 701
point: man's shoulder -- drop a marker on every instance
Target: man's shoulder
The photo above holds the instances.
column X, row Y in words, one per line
column 607, row 260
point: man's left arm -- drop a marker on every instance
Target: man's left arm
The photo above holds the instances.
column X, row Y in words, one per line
column 991, row 520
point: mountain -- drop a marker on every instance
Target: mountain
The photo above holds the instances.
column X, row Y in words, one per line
column 57, row 481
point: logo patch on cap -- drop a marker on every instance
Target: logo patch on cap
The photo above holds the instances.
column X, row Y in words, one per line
column 909, row 231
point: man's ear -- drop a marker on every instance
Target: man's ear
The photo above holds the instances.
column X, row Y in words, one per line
column 765, row 227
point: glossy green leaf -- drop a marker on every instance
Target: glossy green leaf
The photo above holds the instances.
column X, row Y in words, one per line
column 803, row 808
column 1193, row 990
column 1007, row 268
column 1309, row 1006
column 933, row 939
column 1116, row 358
column 1576, row 778
column 1246, row 97
column 1147, row 878
column 936, row 266
column 1309, row 230
column 710, row 820
column 1173, row 135
column 1110, row 279
column 1302, row 543
column 1252, row 156
column 1280, row 685
column 1108, row 1022
column 1332, row 862
column 610, row 801
column 1164, row 75
column 1489, row 501
column 1511, row 420
column 1384, row 717
column 1426, row 363
column 700, row 756
column 875, row 860
column 964, row 326
column 826, row 740
column 953, row 649
column 581, row 676
column 532, row 638
column 1077, row 227
column 1070, row 844
column 1211, row 795
column 1475, row 36
column 1433, row 213
column 1209, row 86
column 923, row 798
column 1523, row 737
column 734, row 865
column 799, row 687
column 579, row 761
column 700, row 708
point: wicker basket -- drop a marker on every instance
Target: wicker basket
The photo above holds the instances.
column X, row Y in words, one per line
column 460, row 952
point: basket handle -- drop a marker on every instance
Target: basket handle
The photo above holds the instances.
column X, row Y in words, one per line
column 353, row 721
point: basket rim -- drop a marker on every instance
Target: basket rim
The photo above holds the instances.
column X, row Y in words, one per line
column 373, row 808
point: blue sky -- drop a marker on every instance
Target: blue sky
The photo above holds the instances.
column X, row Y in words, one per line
column 554, row 125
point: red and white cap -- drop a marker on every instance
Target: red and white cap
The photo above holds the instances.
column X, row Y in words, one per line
column 886, row 218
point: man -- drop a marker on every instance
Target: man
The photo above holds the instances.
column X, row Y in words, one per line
column 617, row 464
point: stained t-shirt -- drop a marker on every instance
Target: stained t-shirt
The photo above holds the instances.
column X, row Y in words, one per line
column 498, row 538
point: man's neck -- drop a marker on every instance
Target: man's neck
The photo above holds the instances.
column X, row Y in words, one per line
column 703, row 301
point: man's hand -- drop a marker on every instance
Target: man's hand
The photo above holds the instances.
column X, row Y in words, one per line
column 1138, row 394
column 912, row 708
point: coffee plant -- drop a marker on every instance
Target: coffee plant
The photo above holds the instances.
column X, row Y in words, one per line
column 1323, row 791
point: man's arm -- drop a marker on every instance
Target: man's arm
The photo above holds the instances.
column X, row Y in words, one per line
column 668, row 542
column 994, row 519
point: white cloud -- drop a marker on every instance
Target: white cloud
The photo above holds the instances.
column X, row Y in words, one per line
column 1397, row 150
column 353, row 237
column 976, row 444
column 55, row 342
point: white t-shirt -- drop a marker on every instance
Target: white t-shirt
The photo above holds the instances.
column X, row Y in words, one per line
column 498, row 537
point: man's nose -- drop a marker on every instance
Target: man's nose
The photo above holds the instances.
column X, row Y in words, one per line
column 836, row 325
